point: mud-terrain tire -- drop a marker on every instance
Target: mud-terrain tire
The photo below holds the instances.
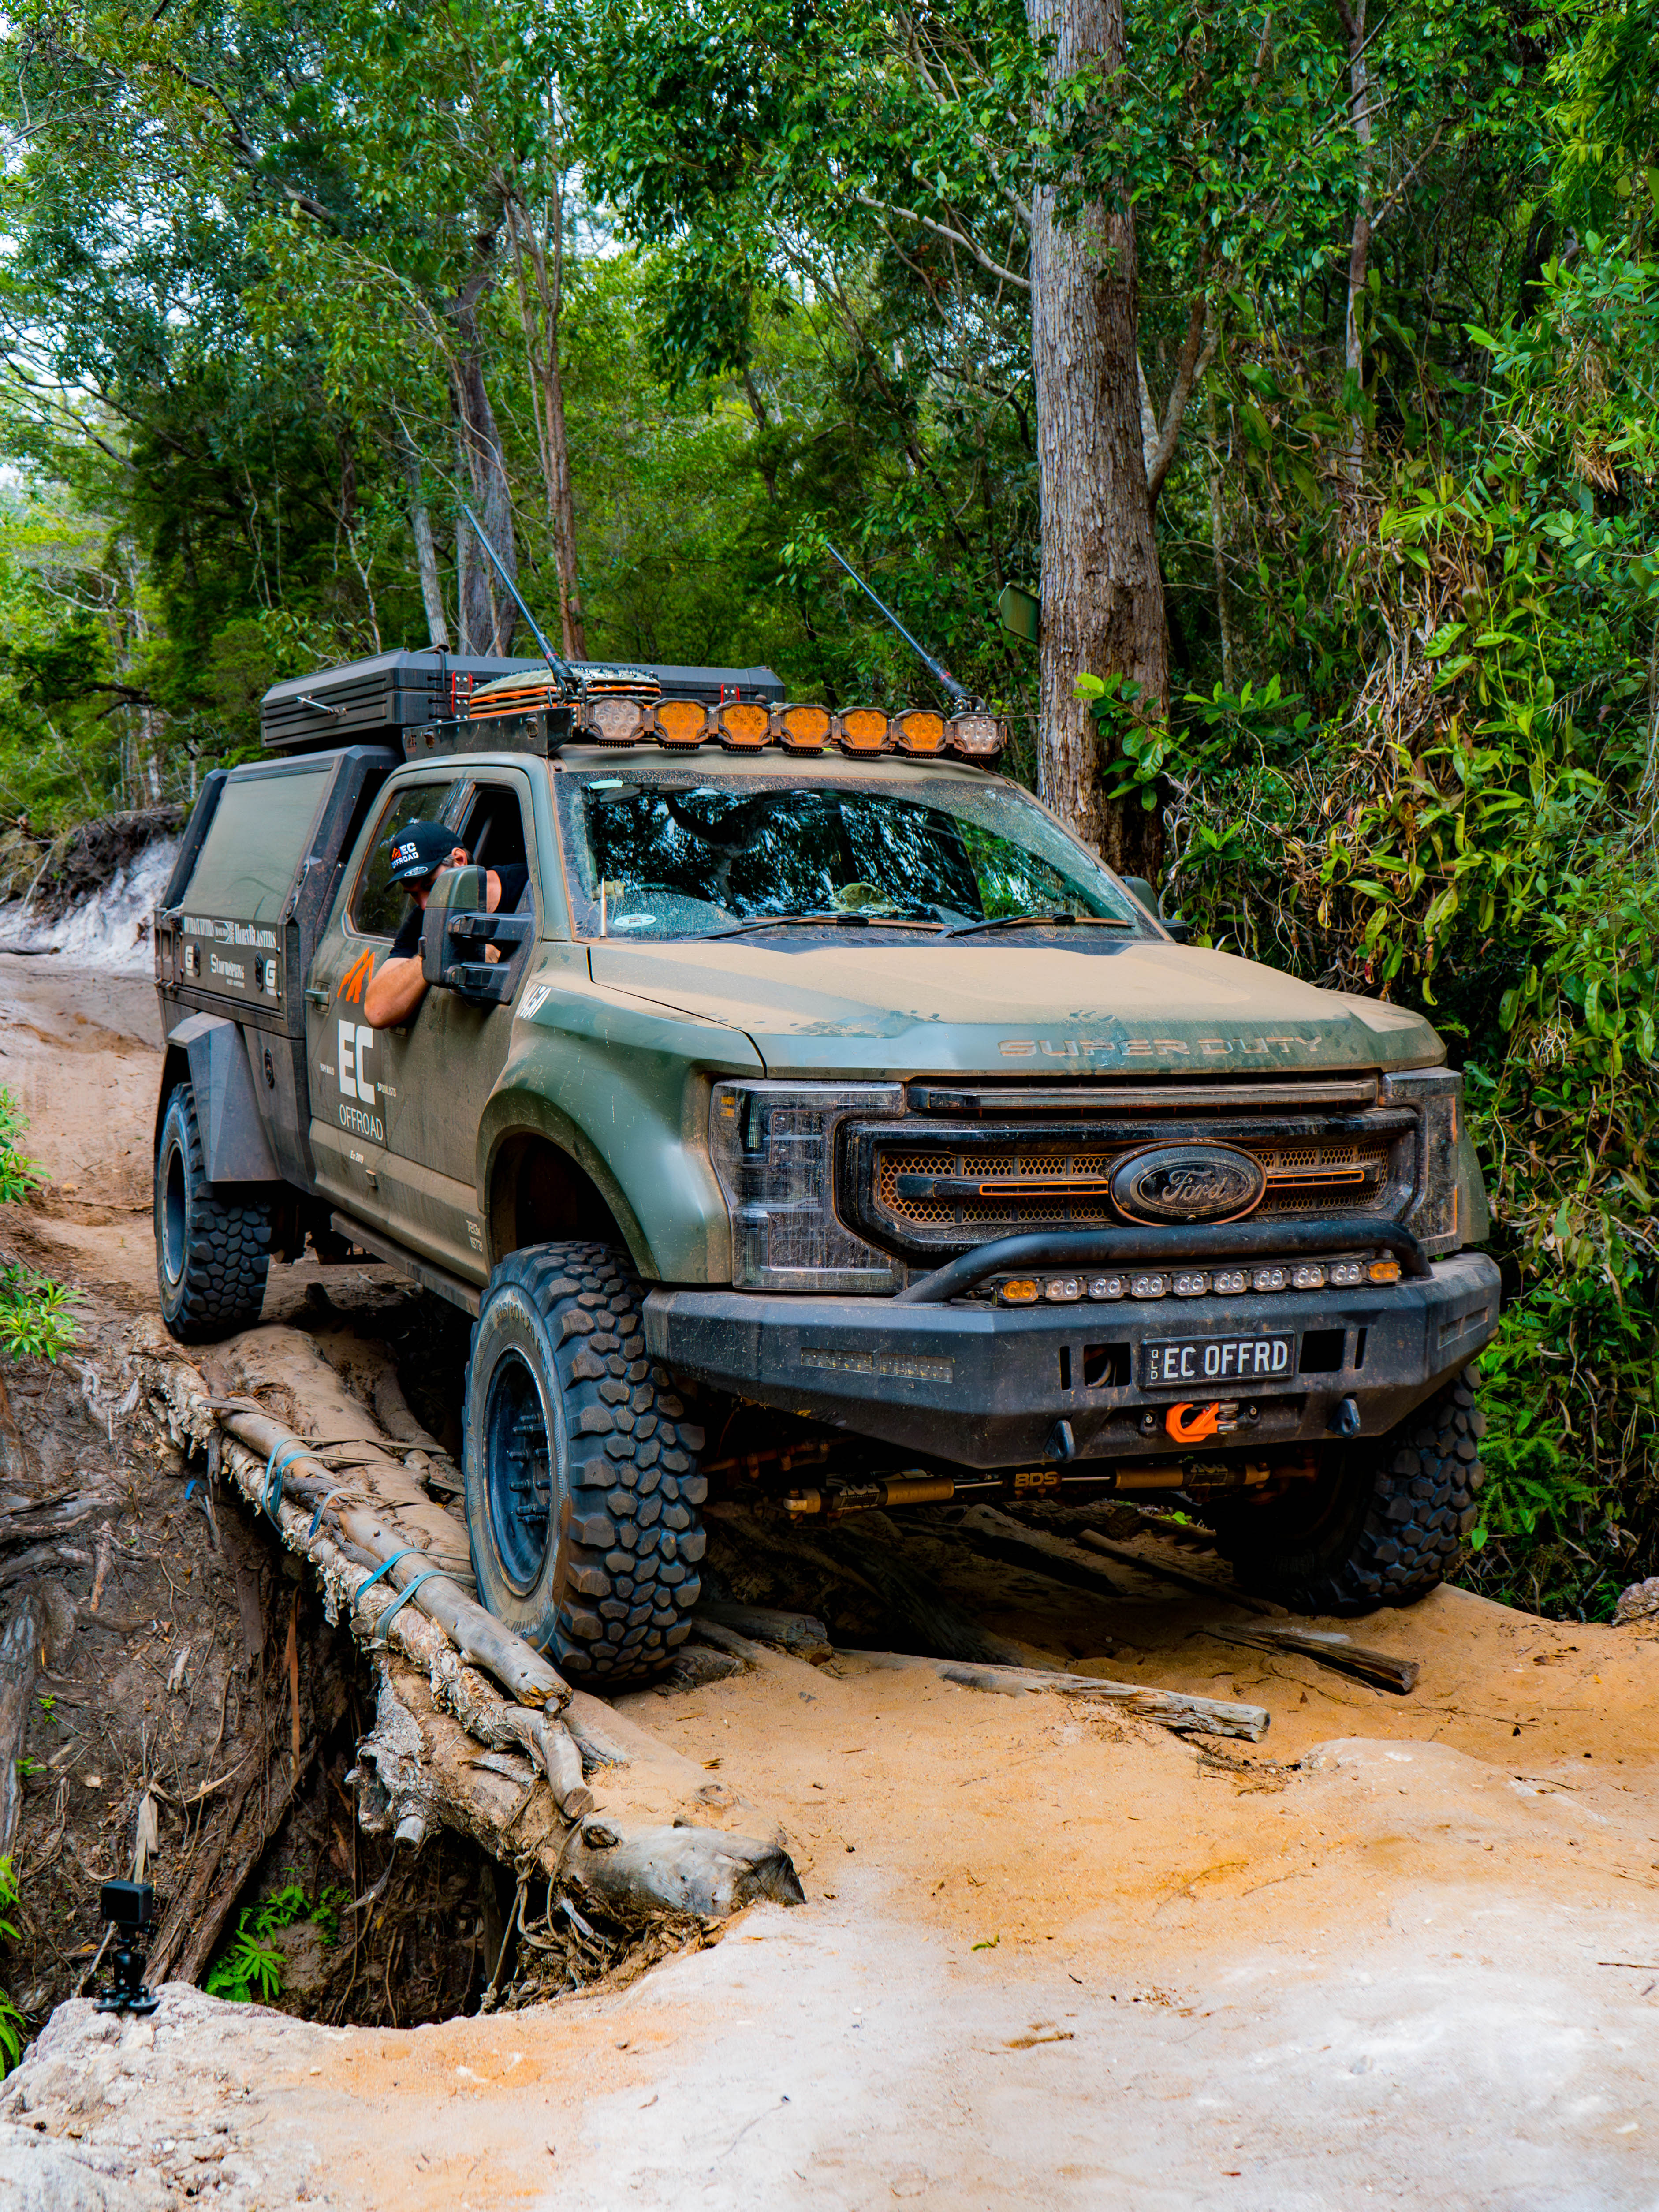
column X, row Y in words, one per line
column 582, row 1487
column 1384, row 1524
column 212, row 1255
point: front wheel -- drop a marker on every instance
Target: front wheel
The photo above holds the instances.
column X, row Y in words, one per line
column 211, row 1256
column 582, row 1487
column 1383, row 1524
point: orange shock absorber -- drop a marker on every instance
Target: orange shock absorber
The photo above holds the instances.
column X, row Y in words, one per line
column 1206, row 1419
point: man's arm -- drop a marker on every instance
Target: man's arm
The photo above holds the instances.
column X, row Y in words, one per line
column 394, row 992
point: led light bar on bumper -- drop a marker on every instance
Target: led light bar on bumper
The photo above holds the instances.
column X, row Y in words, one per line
column 773, row 1146
column 1105, row 1287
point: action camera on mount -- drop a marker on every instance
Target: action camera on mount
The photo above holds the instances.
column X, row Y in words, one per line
column 128, row 1906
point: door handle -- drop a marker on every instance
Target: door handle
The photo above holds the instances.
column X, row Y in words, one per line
column 316, row 996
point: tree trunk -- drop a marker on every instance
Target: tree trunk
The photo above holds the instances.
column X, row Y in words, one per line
column 487, row 617
column 1103, row 596
column 539, row 315
column 491, row 617
column 426, row 553
column 1359, row 246
column 1224, row 595
column 20, row 1662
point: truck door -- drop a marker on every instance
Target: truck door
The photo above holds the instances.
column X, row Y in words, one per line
column 456, row 1049
column 358, row 1088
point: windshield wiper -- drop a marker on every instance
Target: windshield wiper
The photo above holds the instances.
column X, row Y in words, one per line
column 1013, row 921
column 830, row 919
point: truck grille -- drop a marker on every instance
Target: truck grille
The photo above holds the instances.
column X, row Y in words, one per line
column 933, row 1190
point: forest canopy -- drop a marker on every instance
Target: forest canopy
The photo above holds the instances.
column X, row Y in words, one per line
column 673, row 296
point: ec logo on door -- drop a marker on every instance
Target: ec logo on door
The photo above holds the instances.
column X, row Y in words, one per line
column 356, row 1082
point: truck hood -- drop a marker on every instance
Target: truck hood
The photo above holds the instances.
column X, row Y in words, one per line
column 846, row 1009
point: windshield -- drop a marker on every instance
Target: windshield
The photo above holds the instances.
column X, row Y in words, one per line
column 683, row 856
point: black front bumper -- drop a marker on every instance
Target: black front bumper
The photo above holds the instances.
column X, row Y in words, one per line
column 986, row 1386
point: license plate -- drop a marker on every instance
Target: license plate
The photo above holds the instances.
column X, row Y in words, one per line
column 1202, row 1363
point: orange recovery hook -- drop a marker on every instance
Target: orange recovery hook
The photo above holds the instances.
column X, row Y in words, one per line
column 1206, row 1420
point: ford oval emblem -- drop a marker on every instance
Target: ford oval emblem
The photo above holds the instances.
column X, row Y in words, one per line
column 1189, row 1183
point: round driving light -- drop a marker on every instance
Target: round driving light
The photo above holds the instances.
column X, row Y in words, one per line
column 1310, row 1276
column 804, row 729
column 861, row 730
column 980, row 737
column 742, row 726
column 1343, row 1272
column 1149, row 1286
column 920, row 730
column 1190, row 1283
column 1230, row 1282
column 1103, row 1287
column 1024, row 1293
column 1384, row 1270
column 1063, row 1288
column 682, row 724
column 1270, row 1278
column 615, row 721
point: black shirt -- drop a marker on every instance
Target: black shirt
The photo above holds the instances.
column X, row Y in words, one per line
column 515, row 881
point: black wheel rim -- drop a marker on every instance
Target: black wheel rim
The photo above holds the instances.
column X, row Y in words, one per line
column 173, row 1211
column 518, row 1471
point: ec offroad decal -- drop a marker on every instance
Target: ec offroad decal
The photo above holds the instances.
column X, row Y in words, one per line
column 356, row 1082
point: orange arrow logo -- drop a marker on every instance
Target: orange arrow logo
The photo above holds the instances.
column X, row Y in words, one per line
column 357, row 976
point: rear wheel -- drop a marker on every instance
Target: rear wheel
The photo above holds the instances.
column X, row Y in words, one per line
column 211, row 1256
column 1384, row 1524
column 582, row 1487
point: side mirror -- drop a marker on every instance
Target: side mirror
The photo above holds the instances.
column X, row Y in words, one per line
column 456, row 891
column 466, row 948
column 1181, row 931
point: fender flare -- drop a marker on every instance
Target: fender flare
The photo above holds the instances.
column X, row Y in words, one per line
column 227, row 1104
column 517, row 1113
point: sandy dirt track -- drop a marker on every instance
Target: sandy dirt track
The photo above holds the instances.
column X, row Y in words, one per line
column 1050, row 1957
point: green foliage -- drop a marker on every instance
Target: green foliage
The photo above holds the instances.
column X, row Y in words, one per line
column 11, row 2021
column 37, row 1315
column 1465, row 817
column 249, row 1969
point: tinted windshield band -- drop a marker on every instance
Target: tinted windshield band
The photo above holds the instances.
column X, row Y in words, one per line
column 686, row 856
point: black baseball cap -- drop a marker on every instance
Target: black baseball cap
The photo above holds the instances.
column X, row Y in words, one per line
column 419, row 849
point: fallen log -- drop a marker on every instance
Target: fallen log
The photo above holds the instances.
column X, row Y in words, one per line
column 437, row 1707
column 1205, row 1585
column 290, row 1378
column 997, row 1537
column 370, row 1365
column 688, row 1869
column 866, row 1555
column 1172, row 1709
column 1380, row 1669
column 798, row 1633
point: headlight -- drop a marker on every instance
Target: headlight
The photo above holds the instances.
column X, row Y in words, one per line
column 773, row 1149
column 1450, row 1208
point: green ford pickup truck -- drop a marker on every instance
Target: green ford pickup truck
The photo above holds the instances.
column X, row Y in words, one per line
column 819, row 1115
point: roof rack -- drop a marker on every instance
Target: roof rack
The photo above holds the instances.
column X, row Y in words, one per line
column 435, row 703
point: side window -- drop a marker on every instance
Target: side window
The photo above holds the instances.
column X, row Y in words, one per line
column 494, row 836
column 378, row 905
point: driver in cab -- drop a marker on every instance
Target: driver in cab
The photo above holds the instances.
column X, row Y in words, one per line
column 419, row 851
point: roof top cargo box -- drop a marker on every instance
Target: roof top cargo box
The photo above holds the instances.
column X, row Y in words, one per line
column 376, row 698
column 380, row 698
